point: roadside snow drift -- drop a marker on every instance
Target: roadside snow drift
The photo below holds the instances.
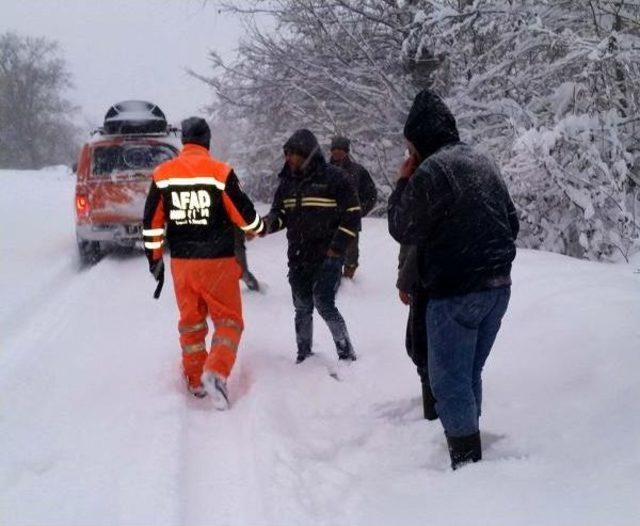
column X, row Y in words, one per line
column 96, row 427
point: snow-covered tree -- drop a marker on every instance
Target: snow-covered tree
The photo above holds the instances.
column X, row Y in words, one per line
column 35, row 125
column 549, row 88
column 333, row 67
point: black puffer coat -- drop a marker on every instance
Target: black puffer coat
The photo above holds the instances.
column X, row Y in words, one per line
column 455, row 208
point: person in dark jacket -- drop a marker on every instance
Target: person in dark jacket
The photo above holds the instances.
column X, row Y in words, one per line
column 320, row 210
column 451, row 202
column 412, row 294
column 365, row 189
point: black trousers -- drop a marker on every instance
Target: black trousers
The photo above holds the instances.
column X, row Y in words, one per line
column 417, row 348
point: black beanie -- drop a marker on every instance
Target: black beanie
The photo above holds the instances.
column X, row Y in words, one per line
column 430, row 124
column 195, row 130
column 340, row 142
column 303, row 142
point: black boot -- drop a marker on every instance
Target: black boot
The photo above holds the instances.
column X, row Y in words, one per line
column 428, row 402
column 345, row 350
column 303, row 354
column 464, row 449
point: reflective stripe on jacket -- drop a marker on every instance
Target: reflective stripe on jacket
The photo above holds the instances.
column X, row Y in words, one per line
column 193, row 204
column 319, row 209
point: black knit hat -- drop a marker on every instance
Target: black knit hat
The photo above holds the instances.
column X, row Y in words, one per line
column 195, row 130
column 430, row 124
column 340, row 142
column 303, row 142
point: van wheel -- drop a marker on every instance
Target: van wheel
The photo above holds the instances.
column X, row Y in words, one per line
column 89, row 252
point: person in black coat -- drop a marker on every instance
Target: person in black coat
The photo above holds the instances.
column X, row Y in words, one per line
column 365, row 189
column 320, row 210
column 452, row 204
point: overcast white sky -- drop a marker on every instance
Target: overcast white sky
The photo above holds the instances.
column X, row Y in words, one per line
column 130, row 49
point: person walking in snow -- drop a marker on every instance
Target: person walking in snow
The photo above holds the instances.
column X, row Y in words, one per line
column 365, row 190
column 452, row 204
column 194, row 204
column 320, row 210
column 412, row 294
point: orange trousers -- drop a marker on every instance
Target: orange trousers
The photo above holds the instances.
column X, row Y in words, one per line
column 208, row 287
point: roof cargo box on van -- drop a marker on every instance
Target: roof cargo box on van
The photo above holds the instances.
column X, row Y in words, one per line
column 133, row 117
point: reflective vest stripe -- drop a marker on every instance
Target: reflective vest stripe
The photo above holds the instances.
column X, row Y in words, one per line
column 312, row 203
column 253, row 225
column 190, row 181
column 153, row 245
column 153, row 232
column 353, row 209
column 224, row 342
column 309, row 200
column 188, row 329
column 194, row 347
column 347, row 231
column 228, row 322
column 321, row 199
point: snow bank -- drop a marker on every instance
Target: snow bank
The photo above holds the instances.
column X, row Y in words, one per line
column 97, row 428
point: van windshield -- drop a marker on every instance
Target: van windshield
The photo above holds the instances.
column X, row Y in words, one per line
column 129, row 159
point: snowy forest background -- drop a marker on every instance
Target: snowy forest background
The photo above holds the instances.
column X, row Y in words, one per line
column 549, row 88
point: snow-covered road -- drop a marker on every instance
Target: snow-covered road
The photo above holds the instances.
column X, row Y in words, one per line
column 96, row 428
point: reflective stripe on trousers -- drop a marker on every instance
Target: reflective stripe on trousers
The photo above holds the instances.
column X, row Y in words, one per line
column 209, row 287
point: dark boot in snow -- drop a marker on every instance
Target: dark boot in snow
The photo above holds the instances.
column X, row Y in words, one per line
column 428, row 402
column 464, row 449
column 303, row 354
column 345, row 351
column 198, row 391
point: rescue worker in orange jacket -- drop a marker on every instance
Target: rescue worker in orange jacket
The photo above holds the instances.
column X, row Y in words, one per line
column 193, row 204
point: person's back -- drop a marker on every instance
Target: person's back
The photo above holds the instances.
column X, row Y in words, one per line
column 471, row 241
column 193, row 204
column 451, row 202
column 199, row 225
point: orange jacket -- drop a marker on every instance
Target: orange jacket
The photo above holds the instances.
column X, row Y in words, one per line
column 193, row 204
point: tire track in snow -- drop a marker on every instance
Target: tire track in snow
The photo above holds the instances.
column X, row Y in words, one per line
column 87, row 392
column 47, row 291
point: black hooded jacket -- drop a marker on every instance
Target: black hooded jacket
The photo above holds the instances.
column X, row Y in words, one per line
column 455, row 208
column 318, row 207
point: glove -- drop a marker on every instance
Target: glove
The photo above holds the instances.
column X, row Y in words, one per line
column 156, row 267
